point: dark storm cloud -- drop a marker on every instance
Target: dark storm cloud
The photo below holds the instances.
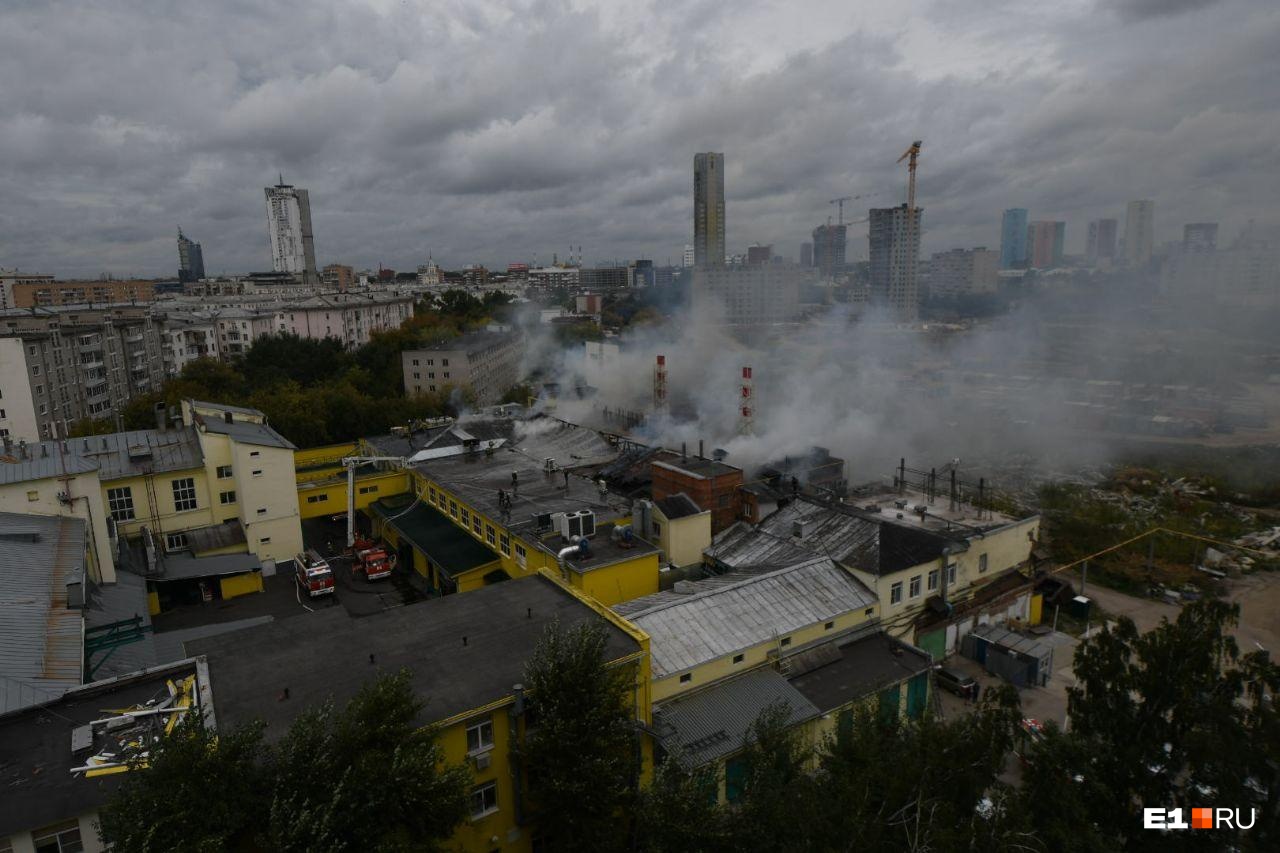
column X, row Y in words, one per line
column 487, row 131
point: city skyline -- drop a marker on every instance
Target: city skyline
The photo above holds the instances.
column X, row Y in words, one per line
column 508, row 165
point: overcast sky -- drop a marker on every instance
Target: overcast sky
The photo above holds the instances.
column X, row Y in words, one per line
column 490, row 132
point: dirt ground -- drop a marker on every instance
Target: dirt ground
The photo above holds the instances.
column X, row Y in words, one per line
column 1259, row 599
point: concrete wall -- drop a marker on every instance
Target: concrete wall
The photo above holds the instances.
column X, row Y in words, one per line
column 684, row 539
column 16, row 402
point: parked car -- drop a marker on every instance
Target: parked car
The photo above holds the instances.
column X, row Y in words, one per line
column 313, row 574
column 956, row 682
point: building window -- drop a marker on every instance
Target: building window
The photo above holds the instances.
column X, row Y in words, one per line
column 431, row 374
column 982, row 563
column 504, row 544
column 254, row 453
column 933, row 580
column 484, row 800
column 869, row 612
column 224, row 471
column 784, row 642
column 262, row 510
column 915, row 587
column 466, row 518
column 175, row 541
column 265, row 540
column 895, row 593
column 431, row 494
column 415, row 364
column 230, row 497
column 120, row 502
column 686, row 678
column 521, row 554
column 738, row 658
column 184, row 494
column 257, row 473
column 951, row 575
column 59, row 838
column 828, row 626
column 657, row 529
column 444, row 362
column 33, row 496
column 475, row 523
column 453, row 508
column 368, row 490
column 480, row 736
column 489, row 535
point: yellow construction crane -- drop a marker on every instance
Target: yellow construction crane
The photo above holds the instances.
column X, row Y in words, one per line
column 911, row 155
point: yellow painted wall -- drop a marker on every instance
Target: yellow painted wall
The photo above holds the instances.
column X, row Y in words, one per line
column 620, row 581
column 236, row 585
column 153, row 602
column 755, row 656
column 1037, row 609
column 322, row 462
column 277, row 533
column 320, row 498
column 40, row 497
column 207, row 510
column 684, row 539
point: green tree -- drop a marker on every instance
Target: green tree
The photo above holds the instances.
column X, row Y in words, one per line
column 1173, row 717
column 778, row 798
column 200, row 791
column 581, row 756
column 678, row 812
column 366, row 778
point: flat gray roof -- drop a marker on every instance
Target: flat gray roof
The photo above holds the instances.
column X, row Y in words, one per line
column 114, row 455
column 325, row 655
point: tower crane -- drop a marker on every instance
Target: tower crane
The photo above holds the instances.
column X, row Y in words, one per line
column 840, row 201
column 911, row 155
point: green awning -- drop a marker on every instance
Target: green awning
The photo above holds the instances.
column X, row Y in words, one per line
column 452, row 551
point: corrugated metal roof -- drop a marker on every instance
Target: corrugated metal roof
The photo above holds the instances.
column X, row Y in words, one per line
column 216, row 536
column 183, row 566
column 17, row 468
column 41, row 639
column 737, row 610
column 678, row 505
column 841, row 533
column 709, row 724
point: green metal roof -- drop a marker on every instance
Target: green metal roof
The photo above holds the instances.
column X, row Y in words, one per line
column 431, row 532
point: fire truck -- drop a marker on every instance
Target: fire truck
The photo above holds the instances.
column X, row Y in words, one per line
column 313, row 574
column 371, row 559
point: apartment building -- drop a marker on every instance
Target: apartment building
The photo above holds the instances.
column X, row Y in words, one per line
column 748, row 296
column 350, row 317
column 486, row 363
column 961, row 272
column 58, row 366
column 221, row 483
column 43, row 294
column 9, row 279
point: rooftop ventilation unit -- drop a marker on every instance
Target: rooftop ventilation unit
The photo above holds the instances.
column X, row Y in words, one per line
column 541, row 521
column 574, row 525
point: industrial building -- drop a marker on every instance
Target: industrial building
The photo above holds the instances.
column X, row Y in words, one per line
column 525, row 490
column 485, row 363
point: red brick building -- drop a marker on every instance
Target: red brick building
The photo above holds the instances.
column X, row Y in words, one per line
column 710, row 484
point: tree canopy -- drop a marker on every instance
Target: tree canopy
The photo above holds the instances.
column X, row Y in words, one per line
column 365, row 777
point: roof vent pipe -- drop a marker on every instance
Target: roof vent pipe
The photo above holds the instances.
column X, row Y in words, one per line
column 700, row 456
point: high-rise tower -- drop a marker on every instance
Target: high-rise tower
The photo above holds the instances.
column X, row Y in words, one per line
column 289, row 221
column 895, row 250
column 190, row 259
column 708, row 209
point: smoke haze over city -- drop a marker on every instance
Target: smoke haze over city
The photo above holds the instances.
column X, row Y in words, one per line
column 497, row 132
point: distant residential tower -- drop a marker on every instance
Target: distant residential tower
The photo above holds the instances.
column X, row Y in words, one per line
column 1013, row 238
column 1101, row 245
column 708, row 209
column 893, row 283
column 1139, row 233
column 289, row 221
column 190, row 259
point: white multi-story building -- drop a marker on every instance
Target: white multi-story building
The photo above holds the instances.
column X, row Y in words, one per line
column 554, row 277
column 350, row 317
column 289, row 223
column 746, row 296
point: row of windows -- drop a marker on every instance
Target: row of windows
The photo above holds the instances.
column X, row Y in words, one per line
column 913, row 589
column 120, row 499
column 467, row 518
